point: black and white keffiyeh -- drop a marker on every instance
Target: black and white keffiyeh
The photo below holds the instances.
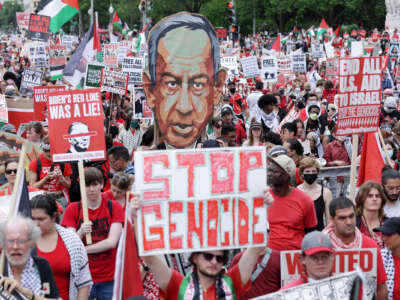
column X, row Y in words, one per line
column 30, row 277
column 388, row 262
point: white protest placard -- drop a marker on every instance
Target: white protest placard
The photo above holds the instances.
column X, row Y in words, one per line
column 298, row 62
column 200, row 199
column 357, row 49
column 3, row 109
column 329, row 50
column 111, row 55
column 230, row 63
column 346, row 260
column 250, row 67
column 122, row 51
column 284, row 65
column 317, row 50
column 133, row 66
column 336, row 287
column 360, row 91
column 114, row 82
column 332, row 67
column 269, row 69
column 37, row 54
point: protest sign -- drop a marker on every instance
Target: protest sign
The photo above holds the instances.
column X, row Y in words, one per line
column 133, row 66
column 331, row 67
column 357, row 49
column 30, row 79
column 336, row 287
column 40, row 99
column 250, row 67
column 268, row 69
column 38, row 28
column 23, row 20
column 360, row 94
column 111, row 55
column 122, row 51
column 346, row 260
column 57, row 60
column 221, row 33
column 114, row 82
column 140, row 108
column 317, row 50
column 37, row 54
column 230, row 63
column 69, row 40
column 330, row 50
column 298, row 62
column 74, row 118
column 284, row 65
column 3, row 109
column 93, row 76
column 181, row 211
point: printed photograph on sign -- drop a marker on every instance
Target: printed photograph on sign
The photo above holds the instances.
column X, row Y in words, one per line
column 180, row 42
column 76, row 125
column 185, row 193
column 140, row 108
column 30, row 79
column 114, row 82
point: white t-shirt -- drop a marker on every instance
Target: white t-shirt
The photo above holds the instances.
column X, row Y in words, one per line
column 252, row 101
column 392, row 210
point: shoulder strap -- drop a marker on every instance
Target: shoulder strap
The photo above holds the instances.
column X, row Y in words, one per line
column 38, row 265
column 261, row 266
column 38, row 168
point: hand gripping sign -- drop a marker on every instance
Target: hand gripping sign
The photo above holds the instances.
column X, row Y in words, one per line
column 201, row 199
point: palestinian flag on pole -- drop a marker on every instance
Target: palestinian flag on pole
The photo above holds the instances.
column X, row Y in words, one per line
column 323, row 27
column 60, row 11
column 141, row 40
column 88, row 51
column 310, row 32
column 120, row 24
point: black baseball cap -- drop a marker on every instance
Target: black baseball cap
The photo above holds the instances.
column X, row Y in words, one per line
column 391, row 226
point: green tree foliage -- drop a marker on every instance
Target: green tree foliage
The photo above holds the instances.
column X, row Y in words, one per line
column 7, row 14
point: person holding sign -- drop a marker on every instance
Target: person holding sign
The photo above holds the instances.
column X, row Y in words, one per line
column 317, row 257
column 106, row 219
column 344, row 234
column 184, row 81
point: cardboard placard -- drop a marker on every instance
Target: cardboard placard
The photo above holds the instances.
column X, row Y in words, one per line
column 76, row 125
column 230, row 63
column 133, row 66
column 3, row 109
column 284, row 65
column 346, row 260
column 269, row 69
column 250, row 67
column 23, row 20
column 111, row 55
column 317, row 50
column 122, row 51
column 331, row 67
column 357, row 49
column 140, row 108
column 37, row 54
column 332, row 288
column 38, row 28
column 360, row 91
column 200, row 199
column 93, row 76
column 40, row 94
column 58, row 58
column 299, row 62
column 114, row 82
column 30, row 79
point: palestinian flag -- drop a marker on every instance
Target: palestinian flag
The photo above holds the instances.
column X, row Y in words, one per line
column 323, row 28
column 88, row 52
column 60, row 11
column 310, row 32
column 119, row 23
column 141, row 43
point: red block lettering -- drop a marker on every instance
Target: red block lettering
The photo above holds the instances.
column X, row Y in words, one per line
column 221, row 161
column 148, row 162
column 156, row 230
column 258, row 237
column 245, row 166
column 192, row 228
column 293, row 263
column 175, row 243
column 243, row 223
column 212, row 223
column 225, row 241
column 190, row 160
column 366, row 261
column 353, row 260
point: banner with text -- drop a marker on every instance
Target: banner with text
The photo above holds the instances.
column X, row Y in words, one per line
column 23, row 20
column 269, row 69
column 40, row 94
column 38, row 28
column 37, row 54
column 230, row 63
column 317, row 50
column 30, row 79
column 57, row 60
column 111, row 55
column 114, row 82
column 133, row 66
column 284, row 65
column 76, row 125
column 299, row 62
column 3, row 109
column 360, row 95
column 93, row 76
column 200, row 199
column 250, row 67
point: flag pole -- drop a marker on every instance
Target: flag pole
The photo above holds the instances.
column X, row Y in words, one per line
column 17, row 186
column 353, row 168
column 85, row 211
column 388, row 159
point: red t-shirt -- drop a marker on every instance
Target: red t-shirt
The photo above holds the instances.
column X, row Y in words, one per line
column 53, row 185
column 60, row 264
column 171, row 293
column 288, row 229
column 239, row 104
column 367, row 242
column 329, row 95
column 396, row 290
column 102, row 264
column 240, row 134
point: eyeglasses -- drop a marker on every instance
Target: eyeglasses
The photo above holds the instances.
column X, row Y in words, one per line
column 209, row 257
column 10, row 171
column 18, row 241
column 392, row 188
column 218, row 126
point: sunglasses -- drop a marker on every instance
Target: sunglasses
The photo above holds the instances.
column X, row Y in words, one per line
column 123, row 178
column 10, row 171
column 218, row 126
column 209, row 257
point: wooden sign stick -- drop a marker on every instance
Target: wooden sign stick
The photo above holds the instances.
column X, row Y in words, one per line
column 85, row 211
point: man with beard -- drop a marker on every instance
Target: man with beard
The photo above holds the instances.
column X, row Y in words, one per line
column 287, row 229
column 391, row 186
column 344, row 234
column 29, row 275
column 79, row 139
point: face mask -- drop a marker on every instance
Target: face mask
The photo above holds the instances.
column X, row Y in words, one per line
column 300, row 105
column 135, row 124
column 232, row 90
column 313, row 116
column 310, row 178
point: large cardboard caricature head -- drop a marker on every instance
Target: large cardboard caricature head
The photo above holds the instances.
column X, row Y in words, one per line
column 184, row 80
